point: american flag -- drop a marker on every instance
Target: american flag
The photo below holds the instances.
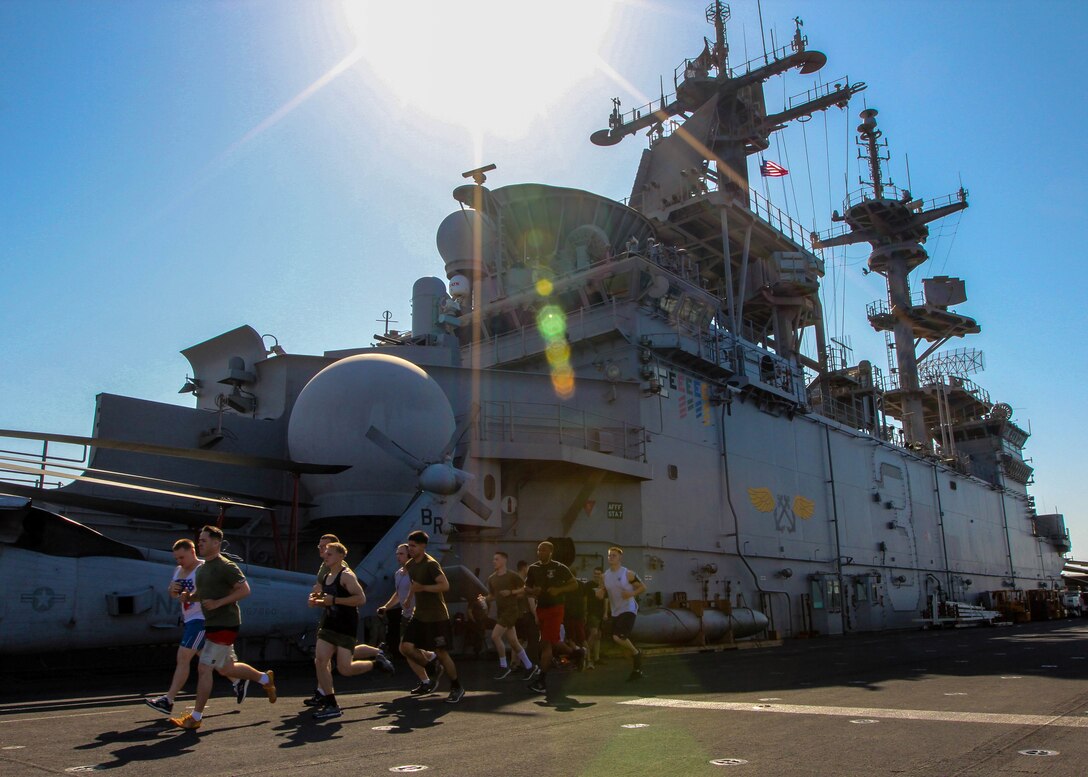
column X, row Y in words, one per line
column 770, row 169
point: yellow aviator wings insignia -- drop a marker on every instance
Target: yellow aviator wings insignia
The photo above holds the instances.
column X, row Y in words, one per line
column 762, row 499
column 803, row 507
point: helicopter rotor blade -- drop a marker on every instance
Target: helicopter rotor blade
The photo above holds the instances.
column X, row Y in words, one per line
column 216, row 457
column 459, row 432
column 132, row 509
column 473, row 503
column 379, row 438
column 36, row 471
column 269, row 501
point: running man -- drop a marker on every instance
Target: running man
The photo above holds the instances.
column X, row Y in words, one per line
column 621, row 585
column 505, row 589
column 192, row 638
column 548, row 582
column 341, row 597
column 322, row 542
column 430, row 627
column 402, row 595
column 362, row 651
column 594, row 617
column 220, row 585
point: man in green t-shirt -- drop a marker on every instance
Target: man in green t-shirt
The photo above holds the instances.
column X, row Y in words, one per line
column 220, row 585
column 505, row 587
column 430, row 627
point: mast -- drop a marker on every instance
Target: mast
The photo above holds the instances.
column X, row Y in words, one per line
column 895, row 225
column 692, row 183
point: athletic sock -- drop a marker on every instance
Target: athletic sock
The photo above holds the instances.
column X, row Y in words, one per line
column 196, row 715
column 455, row 684
column 264, row 679
column 525, row 659
column 502, row 662
column 330, row 699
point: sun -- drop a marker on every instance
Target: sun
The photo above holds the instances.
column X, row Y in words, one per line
column 492, row 66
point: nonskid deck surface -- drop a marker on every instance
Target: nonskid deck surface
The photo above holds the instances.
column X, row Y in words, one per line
column 966, row 702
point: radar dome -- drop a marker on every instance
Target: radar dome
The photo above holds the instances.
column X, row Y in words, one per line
column 456, row 245
column 330, row 420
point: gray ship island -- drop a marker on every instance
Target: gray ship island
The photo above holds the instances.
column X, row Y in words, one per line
column 653, row 374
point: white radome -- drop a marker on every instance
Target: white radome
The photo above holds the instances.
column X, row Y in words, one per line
column 459, row 287
column 330, row 420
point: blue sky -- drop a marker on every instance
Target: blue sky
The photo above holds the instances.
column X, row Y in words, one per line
column 173, row 170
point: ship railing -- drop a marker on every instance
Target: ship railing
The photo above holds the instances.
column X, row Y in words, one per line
column 581, row 324
column 697, row 68
column 777, row 218
column 772, row 56
column 554, row 424
column 760, row 206
column 822, row 90
column 883, row 307
column 38, row 460
column 893, row 192
column 858, row 196
column 635, row 114
column 848, row 414
column 946, row 382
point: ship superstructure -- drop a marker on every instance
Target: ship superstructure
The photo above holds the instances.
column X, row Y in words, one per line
column 635, row 373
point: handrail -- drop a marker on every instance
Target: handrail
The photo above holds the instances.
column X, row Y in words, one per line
column 511, row 420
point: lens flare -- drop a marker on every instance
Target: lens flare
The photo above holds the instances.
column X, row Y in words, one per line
column 563, row 385
column 544, row 287
column 552, row 322
column 558, row 353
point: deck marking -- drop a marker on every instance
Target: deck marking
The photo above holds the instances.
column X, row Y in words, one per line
column 728, row 762
column 867, row 712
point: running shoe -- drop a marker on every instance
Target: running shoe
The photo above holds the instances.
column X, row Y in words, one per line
column 317, row 700
column 636, row 674
column 327, row 712
column 537, row 686
column 382, row 662
column 424, row 688
column 186, row 721
column 456, row 694
column 270, row 687
column 241, row 688
column 162, row 704
column 504, row 672
column 590, row 665
column 533, row 673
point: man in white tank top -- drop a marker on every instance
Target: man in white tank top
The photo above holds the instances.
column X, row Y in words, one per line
column 192, row 638
column 621, row 586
